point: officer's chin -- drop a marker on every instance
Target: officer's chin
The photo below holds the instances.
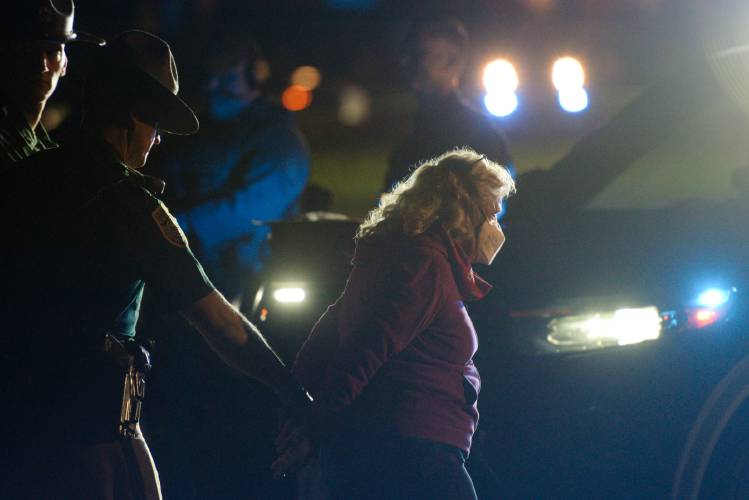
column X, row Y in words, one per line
column 39, row 91
column 137, row 163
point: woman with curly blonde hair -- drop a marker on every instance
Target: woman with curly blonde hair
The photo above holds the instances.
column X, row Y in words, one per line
column 390, row 363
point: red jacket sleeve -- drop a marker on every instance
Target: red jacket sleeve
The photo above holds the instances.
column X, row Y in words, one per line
column 382, row 309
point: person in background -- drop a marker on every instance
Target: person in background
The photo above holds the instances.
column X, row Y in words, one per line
column 390, row 363
column 86, row 240
column 436, row 55
column 33, row 34
column 247, row 166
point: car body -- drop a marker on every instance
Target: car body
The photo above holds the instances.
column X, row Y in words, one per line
column 644, row 220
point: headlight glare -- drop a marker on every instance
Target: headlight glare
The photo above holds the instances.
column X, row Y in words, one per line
column 606, row 328
column 713, row 298
column 289, row 295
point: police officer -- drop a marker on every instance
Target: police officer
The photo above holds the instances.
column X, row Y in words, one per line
column 87, row 234
column 33, row 34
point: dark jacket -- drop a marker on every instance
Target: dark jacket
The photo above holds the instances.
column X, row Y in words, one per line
column 85, row 235
column 441, row 125
column 394, row 353
column 17, row 139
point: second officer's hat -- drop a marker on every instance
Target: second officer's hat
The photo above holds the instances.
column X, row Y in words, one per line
column 138, row 67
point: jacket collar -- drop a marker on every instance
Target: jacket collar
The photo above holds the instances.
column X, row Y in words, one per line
column 32, row 139
column 105, row 157
column 470, row 284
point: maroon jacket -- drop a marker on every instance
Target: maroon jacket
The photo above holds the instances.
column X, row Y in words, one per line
column 394, row 353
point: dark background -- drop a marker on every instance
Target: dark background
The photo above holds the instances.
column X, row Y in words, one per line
column 624, row 46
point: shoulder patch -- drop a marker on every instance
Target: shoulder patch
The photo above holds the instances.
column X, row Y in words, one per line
column 168, row 226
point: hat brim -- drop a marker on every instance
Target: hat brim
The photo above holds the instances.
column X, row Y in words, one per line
column 78, row 37
column 81, row 37
column 173, row 114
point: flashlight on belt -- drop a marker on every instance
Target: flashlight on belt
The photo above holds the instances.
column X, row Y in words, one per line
column 136, row 360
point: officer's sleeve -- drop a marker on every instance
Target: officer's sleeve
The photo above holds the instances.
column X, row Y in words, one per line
column 163, row 255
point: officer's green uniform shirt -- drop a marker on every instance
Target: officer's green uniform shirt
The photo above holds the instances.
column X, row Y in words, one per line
column 87, row 234
column 17, row 139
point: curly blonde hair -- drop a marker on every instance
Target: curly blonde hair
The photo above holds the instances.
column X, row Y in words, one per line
column 460, row 188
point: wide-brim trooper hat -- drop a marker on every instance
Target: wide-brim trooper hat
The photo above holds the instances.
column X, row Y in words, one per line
column 140, row 65
column 44, row 21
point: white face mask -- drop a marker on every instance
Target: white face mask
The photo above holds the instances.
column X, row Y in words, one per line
column 490, row 241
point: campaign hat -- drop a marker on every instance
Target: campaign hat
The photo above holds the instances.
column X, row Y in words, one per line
column 139, row 66
column 44, row 21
